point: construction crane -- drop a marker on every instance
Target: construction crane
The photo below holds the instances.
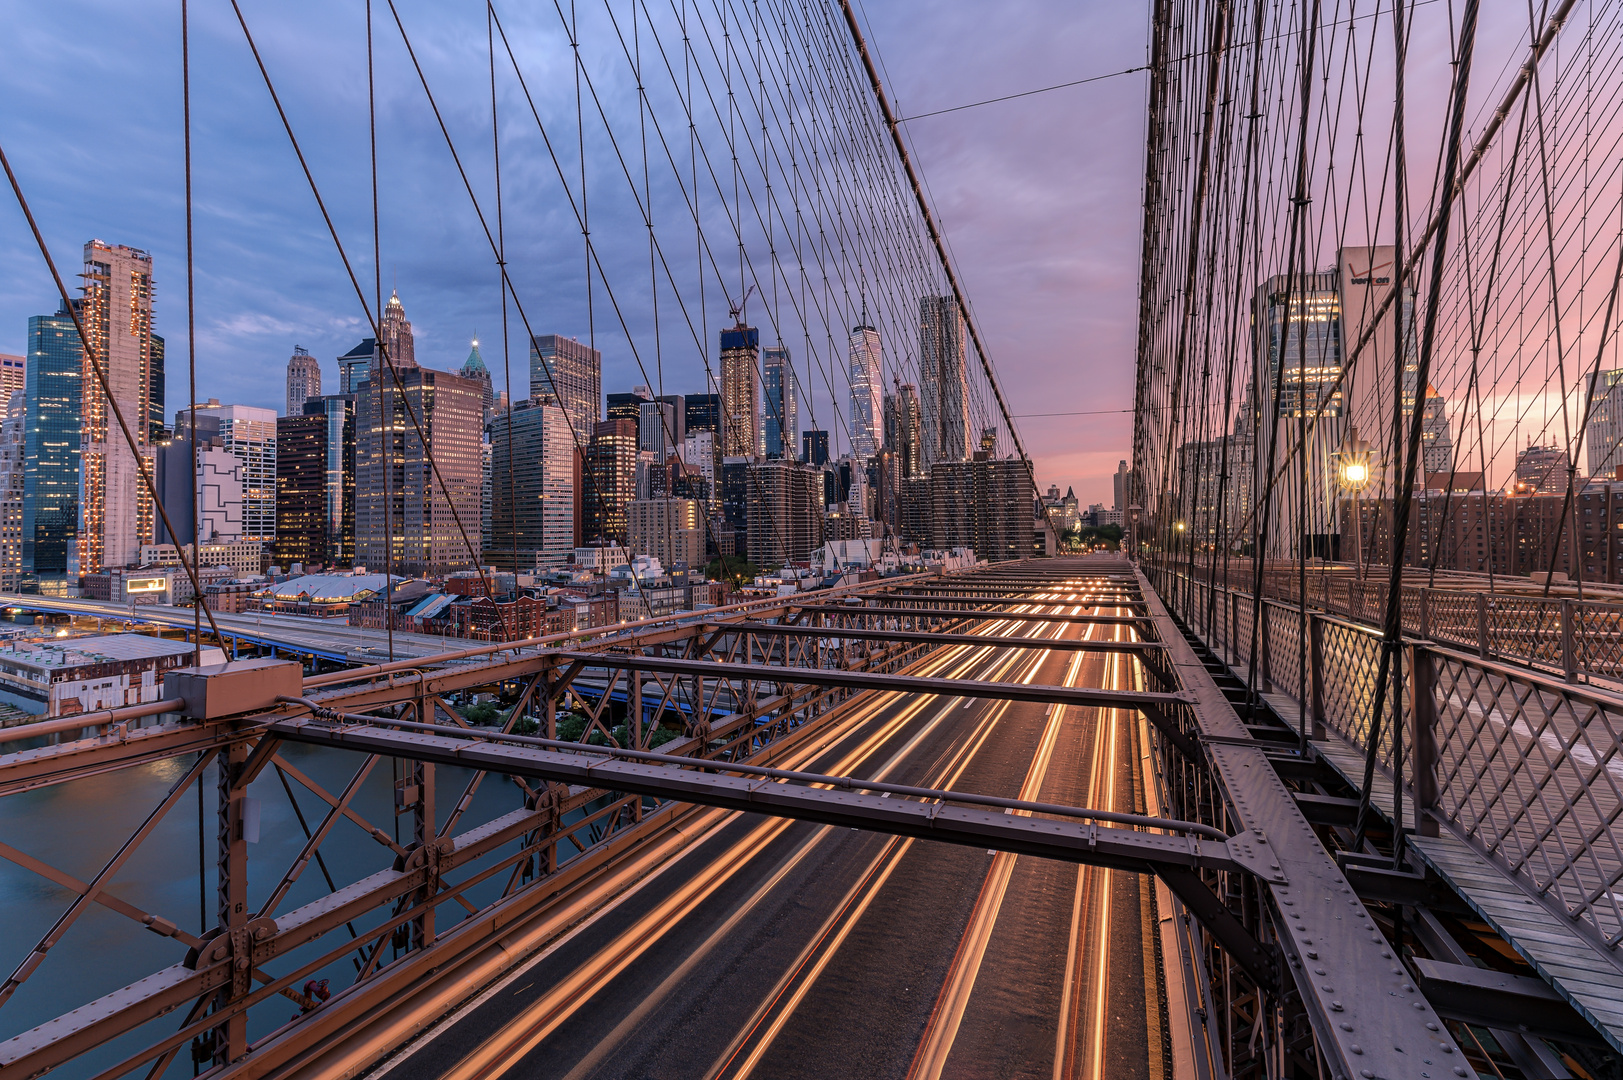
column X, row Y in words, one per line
column 737, row 309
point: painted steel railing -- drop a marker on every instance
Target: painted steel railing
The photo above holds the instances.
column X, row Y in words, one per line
column 1521, row 764
column 1577, row 639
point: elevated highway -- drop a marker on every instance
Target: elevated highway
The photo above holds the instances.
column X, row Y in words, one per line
column 329, row 639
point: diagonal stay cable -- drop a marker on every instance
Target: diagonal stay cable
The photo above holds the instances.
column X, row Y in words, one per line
column 142, row 465
column 360, row 295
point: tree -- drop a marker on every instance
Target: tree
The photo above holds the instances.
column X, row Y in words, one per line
column 732, row 568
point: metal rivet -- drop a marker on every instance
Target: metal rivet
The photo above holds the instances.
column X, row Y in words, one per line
column 1357, row 1049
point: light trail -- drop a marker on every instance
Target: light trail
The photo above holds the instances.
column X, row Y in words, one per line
column 954, row 999
column 498, row 1053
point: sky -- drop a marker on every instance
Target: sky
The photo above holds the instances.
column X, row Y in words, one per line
column 1039, row 197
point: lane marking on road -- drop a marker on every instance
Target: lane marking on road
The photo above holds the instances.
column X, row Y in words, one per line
column 501, row 1051
column 947, row 1017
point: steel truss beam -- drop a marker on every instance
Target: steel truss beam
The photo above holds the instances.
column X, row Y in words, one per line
column 902, row 684
column 937, row 598
column 972, row 613
column 927, row 638
column 1174, row 858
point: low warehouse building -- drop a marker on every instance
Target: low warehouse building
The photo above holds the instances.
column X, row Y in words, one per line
column 78, row 675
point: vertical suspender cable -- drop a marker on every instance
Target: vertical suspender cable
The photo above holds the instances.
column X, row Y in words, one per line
column 381, row 393
column 1392, row 630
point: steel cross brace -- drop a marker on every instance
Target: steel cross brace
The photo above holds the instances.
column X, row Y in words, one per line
column 1177, row 858
column 862, row 680
column 972, row 613
column 926, row 638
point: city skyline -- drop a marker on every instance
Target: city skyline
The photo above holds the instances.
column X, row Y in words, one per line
column 287, row 287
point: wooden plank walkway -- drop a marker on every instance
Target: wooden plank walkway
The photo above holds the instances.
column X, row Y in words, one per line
column 1349, row 762
column 1579, row 970
column 1591, row 981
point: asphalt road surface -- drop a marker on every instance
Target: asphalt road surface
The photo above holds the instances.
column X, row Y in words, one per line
column 773, row 948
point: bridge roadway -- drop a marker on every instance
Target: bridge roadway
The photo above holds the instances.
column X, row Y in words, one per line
column 772, row 948
column 332, row 639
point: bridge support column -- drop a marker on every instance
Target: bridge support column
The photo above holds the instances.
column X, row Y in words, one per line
column 634, row 712
column 1423, row 714
column 231, row 1037
column 1315, row 647
column 1265, row 667
column 423, row 836
column 1569, row 643
column 1482, row 626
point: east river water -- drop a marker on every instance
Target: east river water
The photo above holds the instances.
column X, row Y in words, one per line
column 77, row 827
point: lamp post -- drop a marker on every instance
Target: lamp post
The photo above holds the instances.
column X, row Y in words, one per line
column 1132, row 532
column 1355, row 469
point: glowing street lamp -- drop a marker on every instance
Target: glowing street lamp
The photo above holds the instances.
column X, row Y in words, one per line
column 1355, row 470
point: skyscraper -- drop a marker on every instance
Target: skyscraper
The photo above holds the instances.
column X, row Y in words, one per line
column 212, row 473
column 51, row 443
column 780, row 407
column 315, row 484
column 115, row 508
column 701, row 453
column 902, row 430
column 1541, row 470
column 785, row 512
column 1436, row 440
column 532, row 487
column 669, row 529
column 867, row 391
column 1604, row 435
column 156, row 432
column 741, row 433
column 986, row 504
column 814, row 447
column 303, row 380
column 656, row 427
column 473, row 368
column 355, row 365
column 1123, row 486
column 944, row 425
column 12, row 468
column 13, row 375
column 609, row 480
column 1299, row 350
column 628, row 406
column 573, row 374
column 420, row 516
column 703, row 413
column 397, row 335
column 249, row 435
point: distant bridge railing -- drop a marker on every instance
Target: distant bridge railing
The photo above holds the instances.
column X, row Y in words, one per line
column 1577, row 639
column 1524, row 766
